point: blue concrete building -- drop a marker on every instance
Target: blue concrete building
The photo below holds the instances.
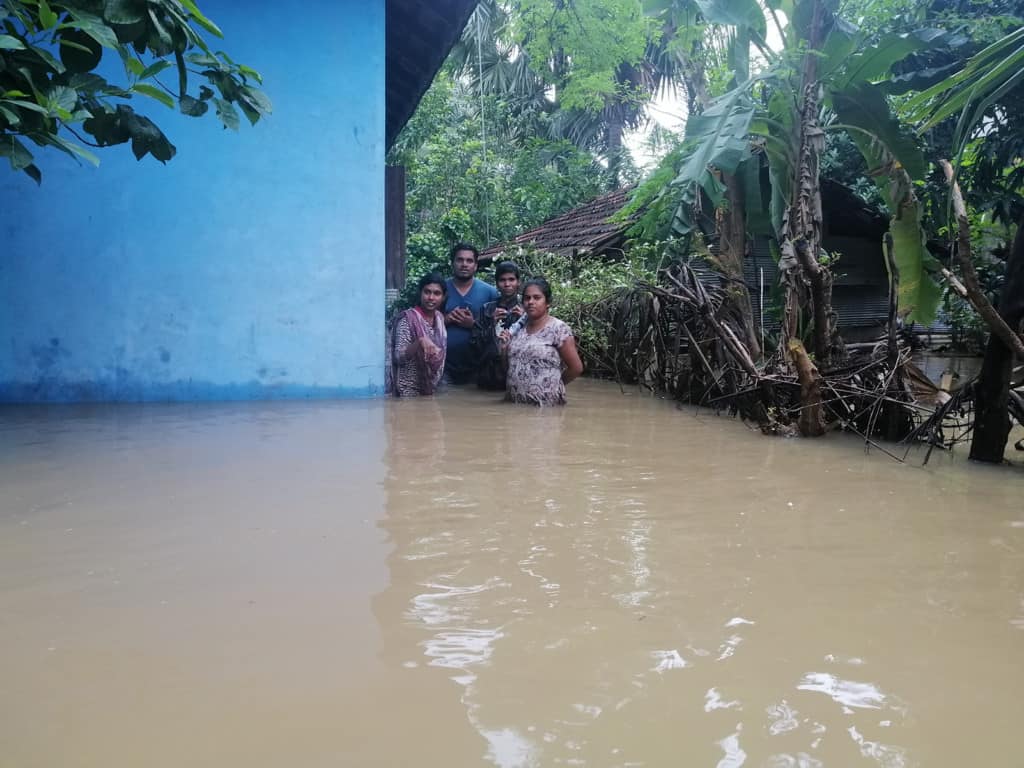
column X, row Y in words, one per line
column 252, row 264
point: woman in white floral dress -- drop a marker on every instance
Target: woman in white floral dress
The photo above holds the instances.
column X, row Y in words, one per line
column 541, row 351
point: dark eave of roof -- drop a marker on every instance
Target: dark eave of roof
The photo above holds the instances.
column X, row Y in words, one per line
column 419, row 34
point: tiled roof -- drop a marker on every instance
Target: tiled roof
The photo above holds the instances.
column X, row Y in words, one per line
column 419, row 36
column 584, row 228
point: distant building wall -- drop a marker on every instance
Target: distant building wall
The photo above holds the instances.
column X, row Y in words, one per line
column 250, row 266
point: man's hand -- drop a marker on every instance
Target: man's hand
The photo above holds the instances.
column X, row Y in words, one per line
column 460, row 316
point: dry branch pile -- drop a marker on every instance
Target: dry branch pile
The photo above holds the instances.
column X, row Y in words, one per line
column 683, row 338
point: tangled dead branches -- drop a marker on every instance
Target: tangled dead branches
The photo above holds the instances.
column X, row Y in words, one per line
column 683, row 337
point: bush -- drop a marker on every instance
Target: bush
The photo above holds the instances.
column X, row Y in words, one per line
column 577, row 288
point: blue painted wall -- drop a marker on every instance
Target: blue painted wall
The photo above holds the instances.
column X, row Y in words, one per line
column 250, row 266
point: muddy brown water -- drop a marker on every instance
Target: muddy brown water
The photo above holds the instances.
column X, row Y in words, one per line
column 456, row 582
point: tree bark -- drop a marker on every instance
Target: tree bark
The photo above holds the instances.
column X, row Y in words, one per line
column 992, row 389
column 970, row 289
column 800, row 240
column 811, row 422
column 732, row 253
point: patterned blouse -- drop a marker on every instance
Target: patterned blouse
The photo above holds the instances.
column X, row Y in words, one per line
column 535, row 366
column 417, row 376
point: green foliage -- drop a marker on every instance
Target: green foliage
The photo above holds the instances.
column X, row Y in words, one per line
column 760, row 118
column 48, row 87
column 582, row 45
column 455, row 193
column 578, row 71
column 988, row 241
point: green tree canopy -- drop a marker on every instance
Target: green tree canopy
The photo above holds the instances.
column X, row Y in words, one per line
column 51, row 94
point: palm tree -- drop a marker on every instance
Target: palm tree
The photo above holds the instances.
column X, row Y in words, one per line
column 493, row 55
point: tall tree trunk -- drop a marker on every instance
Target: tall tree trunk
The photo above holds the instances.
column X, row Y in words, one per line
column 614, row 131
column 992, row 389
column 732, row 254
column 801, row 229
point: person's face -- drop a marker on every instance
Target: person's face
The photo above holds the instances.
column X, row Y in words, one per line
column 431, row 297
column 463, row 265
column 508, row 285
column 534, row 302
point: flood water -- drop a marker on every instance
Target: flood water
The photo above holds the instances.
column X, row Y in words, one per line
column 457, row 582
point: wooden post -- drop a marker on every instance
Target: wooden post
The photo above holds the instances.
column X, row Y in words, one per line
column 394, row 228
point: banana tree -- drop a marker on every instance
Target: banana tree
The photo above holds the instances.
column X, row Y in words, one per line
column 828, row 76
column 701, row 32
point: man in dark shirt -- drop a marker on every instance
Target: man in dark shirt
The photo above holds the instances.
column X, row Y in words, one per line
column 465, row 298
column 495, row 317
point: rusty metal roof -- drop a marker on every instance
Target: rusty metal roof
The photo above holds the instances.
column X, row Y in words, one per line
column 418, row 37
column 584, row 228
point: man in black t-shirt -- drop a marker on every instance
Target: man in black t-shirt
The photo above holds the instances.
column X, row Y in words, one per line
column 495, row 317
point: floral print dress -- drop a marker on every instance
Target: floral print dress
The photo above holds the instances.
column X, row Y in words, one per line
column 535, row 366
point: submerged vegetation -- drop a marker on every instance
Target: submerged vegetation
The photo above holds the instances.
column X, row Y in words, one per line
column 915, row 107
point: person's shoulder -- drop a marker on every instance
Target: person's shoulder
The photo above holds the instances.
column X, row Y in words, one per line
column 487, row 288
column 560, row 329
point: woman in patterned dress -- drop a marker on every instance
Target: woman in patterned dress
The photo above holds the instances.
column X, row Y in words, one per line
column 541, row 352
column 418, row 342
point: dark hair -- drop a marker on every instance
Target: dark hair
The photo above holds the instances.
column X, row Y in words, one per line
column 506, row 268
column 431, row 278
column 540, row 282
column 463, row 247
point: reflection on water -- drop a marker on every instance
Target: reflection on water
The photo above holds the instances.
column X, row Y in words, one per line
column 454, row 581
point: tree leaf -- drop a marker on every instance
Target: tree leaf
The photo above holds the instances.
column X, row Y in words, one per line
column 251, row 113
column 61, row 97
column 919, row 293
column 227, row 113
column 155, row 68
column 250, row 72
column 48, row 57
column 47, row 18
column 30, row 105
column 34, row 173
column 71, row 148
column 875, row 62
column 11, row 148
column 154, row 93
column 192, row 107
column 161, row 31
column 736, row 13
column 93, row 26
column 136, row 66
column 258, row 99
column 12, row 117
column 123, row 11
column 864, row 106
column 721, row 134
column 8, row 43
column 200, row 19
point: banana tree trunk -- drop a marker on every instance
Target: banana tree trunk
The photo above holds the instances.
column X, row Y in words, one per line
column 732, row 253
column 805, row 279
